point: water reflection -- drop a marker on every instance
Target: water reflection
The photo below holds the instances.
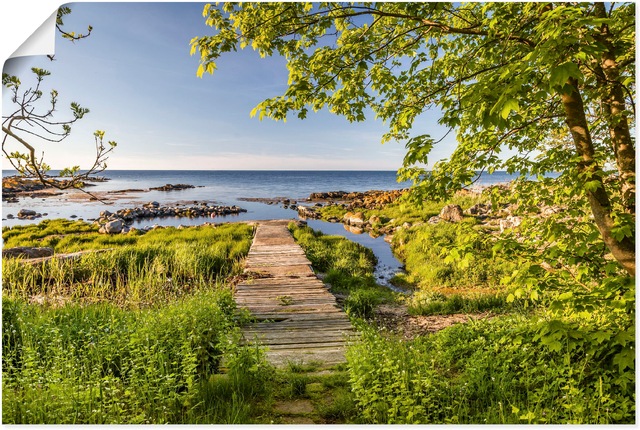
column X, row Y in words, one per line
column 388, row 265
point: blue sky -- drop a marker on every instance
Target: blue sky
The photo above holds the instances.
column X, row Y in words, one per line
column 136, row 76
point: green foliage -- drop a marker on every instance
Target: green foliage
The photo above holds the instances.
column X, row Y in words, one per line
column 530, row 88
column 72, row 36
column 362, row 303
column 347, row 65
column 560, row 253
column 101, row 364
column 495, row 372
column 452, row 255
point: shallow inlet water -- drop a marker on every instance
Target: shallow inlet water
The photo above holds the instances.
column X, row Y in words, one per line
column 388, row 265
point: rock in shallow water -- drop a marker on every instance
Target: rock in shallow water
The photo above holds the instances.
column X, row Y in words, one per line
column 24, row 213
column 112, row 227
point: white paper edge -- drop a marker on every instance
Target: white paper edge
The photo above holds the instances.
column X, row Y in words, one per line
column 41, row 42
column 18, row 19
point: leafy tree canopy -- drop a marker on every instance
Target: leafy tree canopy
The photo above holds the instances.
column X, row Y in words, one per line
column 554, row 82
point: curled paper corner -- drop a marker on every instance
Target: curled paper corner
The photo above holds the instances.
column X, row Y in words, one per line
column 40, row 42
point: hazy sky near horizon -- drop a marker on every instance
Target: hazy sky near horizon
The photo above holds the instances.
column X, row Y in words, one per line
column 137, row 78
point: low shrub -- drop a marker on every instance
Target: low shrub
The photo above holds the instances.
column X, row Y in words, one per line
column 102, row 364
column 435, row 303
column 505, row 370
column 450, row 255
column 362, row 303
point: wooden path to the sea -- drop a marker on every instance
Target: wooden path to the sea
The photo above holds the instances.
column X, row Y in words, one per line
column 298, row 319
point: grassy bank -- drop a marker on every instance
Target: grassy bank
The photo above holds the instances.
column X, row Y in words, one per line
column 348, row 267
column 450, row 267
column 135, row 269
column 135, row 334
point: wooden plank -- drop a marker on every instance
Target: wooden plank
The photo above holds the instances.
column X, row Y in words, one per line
column 297, row 332
column 299, row 325
column 278, row 292
column 303, row 346
column 298, row 342
column 308, row 316
column 298, row 318
column 298, row 336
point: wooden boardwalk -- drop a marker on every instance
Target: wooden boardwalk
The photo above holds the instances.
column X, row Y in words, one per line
column 298, row 319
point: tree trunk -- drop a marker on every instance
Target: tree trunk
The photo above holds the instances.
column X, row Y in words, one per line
column 623, row 250
column 616, row 116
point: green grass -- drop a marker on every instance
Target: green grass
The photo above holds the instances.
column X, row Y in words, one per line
column 150, row 327
column 135, row 334
column 66, row 236
column 145, row 269
column 434, row 303
column 46, row 233
column 348, row 268
column 469, row 279
column 147, row 332
column 450, row 255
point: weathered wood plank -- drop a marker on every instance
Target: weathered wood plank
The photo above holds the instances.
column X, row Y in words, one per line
column 298, row 319
column 299, row 336
column 299, row 325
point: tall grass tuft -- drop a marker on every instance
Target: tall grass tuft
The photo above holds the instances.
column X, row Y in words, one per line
column 158, row 266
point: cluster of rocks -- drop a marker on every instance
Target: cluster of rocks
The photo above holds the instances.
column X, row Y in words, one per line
column 307, row 212
column 451, row 213
column 357, row 223
column 14, row 186
column 483, row 211
column 17, row 186
column 501, row 219
column 373, row 199
column 118, row 222
column 27, row 214
column 171, row 187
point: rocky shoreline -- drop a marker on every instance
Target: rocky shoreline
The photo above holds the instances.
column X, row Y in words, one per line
column 120, row 221
column 16, row 187
column 493, row 220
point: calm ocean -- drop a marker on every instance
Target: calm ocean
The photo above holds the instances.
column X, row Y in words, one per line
column 221, row 187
